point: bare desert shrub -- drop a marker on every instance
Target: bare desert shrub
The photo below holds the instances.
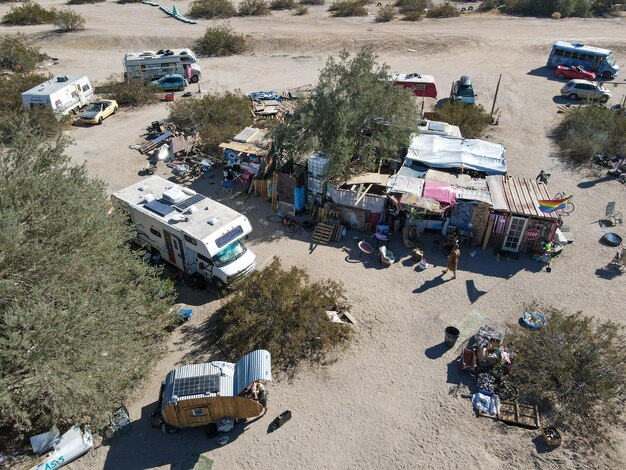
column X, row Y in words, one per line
column 574, row 368
column 283, row 311
column 67, row 20
column 385, row 14
column 556, row 15
column 212, row 9
column 443, row 11
column 28, row 13
column 413, row 16
column 253, row 8
column 472, row 120
column 131, row 93
column 300, row 10
column 220, row 41
column 84, row 2
column 347, row 8
column 282, row 4
column 405, row 6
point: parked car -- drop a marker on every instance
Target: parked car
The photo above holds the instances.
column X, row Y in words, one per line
column 575, row 89
column 462, row 91
column 575, row 71
column 98, row 111
column 171, row 82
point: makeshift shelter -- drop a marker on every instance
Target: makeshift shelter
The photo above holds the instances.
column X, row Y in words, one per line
column 362, row 198
column 516, row 224
column 436, row 151
column 250, row 153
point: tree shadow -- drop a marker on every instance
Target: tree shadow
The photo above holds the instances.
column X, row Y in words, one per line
column 592, row 183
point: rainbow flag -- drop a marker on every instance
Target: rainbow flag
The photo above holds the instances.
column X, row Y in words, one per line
column 551, row 205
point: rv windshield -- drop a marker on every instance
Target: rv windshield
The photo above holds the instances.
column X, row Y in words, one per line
column 229, row 254
column 610, row 59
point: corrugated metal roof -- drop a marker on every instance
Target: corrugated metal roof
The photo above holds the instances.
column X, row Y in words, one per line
column 466, row 187
column 254, row 366
column 518, row 196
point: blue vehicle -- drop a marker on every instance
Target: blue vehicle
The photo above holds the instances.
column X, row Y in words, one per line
column 600, row 61
column 462, row 91
column 171, row 82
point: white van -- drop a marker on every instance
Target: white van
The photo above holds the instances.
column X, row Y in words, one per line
column 190, row 231
column 62, row 94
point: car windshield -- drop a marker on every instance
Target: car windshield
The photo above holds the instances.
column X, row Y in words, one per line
column 229, row 254
column 94, row 107
column 466, row 91
column 610, row 59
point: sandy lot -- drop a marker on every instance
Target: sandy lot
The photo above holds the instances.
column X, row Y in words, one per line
column 386, row 402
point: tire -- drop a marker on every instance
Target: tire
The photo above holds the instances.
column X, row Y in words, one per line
column 561, row 76
column 167, row 429
column 569, row 208
column 181, row 88
column 99, row 121
column 606, row 75
column 572, row 97
column 604, row 99
column 219, row 284
column 194, row 79
column 114, row 110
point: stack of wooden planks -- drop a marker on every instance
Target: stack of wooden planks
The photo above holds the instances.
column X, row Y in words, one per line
column 331, row 218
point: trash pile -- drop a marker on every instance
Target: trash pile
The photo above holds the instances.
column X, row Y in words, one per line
column 271, row 105
column 177, row 151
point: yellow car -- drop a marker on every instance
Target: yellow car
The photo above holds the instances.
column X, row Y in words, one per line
column 98, row 111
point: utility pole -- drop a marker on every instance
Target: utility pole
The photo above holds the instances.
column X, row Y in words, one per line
column 495, row 97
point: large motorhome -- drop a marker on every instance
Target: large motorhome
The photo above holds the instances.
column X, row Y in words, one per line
column 200, row 394
column 150, row 65
column 62, row 94
column 188, row 230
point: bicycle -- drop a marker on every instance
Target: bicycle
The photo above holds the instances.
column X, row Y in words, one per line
column 569, row 207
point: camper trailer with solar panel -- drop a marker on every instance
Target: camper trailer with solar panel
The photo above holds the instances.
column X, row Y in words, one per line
column 188, row 230
column 200, row 394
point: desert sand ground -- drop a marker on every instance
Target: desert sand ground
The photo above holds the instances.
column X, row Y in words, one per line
column 386, row 402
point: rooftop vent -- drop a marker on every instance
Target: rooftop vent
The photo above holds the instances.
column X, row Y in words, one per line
column 62, row 78
column 174, row 195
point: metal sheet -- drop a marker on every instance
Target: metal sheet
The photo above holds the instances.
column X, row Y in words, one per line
column 254, row 366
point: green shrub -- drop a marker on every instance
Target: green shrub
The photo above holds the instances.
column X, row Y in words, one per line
column 488, row 5
column 83, row 2
column 405, row 6
column 443, row 11
column 567, row 8
column 282, row 311
column 588, row 130
column 471, row 119
column 574, row 369
column 67, row 20
column 300, row 10
column 28, row 13
column 347, row 8
column 253, row 8
column 413, row 16
column 217, row 118
column 385, row 14
column 282, row 4
column 132, row 93
column 18, row 54
column 212, row 9
column 220, row 41
column 312, row 2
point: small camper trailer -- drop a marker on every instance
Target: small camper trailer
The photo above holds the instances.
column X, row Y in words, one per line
column 420, row 85
column 200, row 394
column 61, row 94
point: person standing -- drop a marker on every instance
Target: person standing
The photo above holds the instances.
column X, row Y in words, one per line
column 453, row 260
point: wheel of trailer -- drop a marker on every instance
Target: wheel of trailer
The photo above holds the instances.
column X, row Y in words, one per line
column 572, row 96
column 194, row 79
column 167, row 429
column 561, row 76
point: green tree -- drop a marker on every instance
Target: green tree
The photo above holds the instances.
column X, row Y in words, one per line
column 472, row 120
column 18, row 54
column 81, row 315
column 220, row 41
column 575, row 367
column 216, row 118
column 68, row 20
column 354, row 114
column 282, row 311
column 29, row 13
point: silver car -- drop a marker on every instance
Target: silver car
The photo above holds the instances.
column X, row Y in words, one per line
column 584, row 89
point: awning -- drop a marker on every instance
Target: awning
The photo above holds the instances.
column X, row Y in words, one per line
column 420, row 202
column 449, row 152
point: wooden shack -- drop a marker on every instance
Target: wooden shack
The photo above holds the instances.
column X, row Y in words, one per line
column 199, row 394
column 516, row 224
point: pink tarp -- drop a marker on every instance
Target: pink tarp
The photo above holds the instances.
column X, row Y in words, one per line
column 439, row 191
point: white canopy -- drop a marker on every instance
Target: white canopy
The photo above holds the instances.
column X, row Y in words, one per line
column 450, row 152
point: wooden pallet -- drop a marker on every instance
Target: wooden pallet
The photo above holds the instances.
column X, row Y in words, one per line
column 323, row 233
column 512, row 412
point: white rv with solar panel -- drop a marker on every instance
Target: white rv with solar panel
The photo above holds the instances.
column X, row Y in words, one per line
column 188, row 230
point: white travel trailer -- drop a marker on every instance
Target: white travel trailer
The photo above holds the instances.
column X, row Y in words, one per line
column 194, row 233
column 150, row 65
column 62, row 94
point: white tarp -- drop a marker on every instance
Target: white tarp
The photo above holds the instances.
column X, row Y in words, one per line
column 449, row 152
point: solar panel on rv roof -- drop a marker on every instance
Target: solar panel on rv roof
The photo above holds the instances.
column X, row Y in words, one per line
column 184, row 204
column 159, row 208
column 197, row 385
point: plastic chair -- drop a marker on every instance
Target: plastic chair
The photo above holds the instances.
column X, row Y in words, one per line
column 228, row 186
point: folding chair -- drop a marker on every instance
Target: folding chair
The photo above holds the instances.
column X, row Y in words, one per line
column 618, row 262
column 615, row 217
column 228, row 186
